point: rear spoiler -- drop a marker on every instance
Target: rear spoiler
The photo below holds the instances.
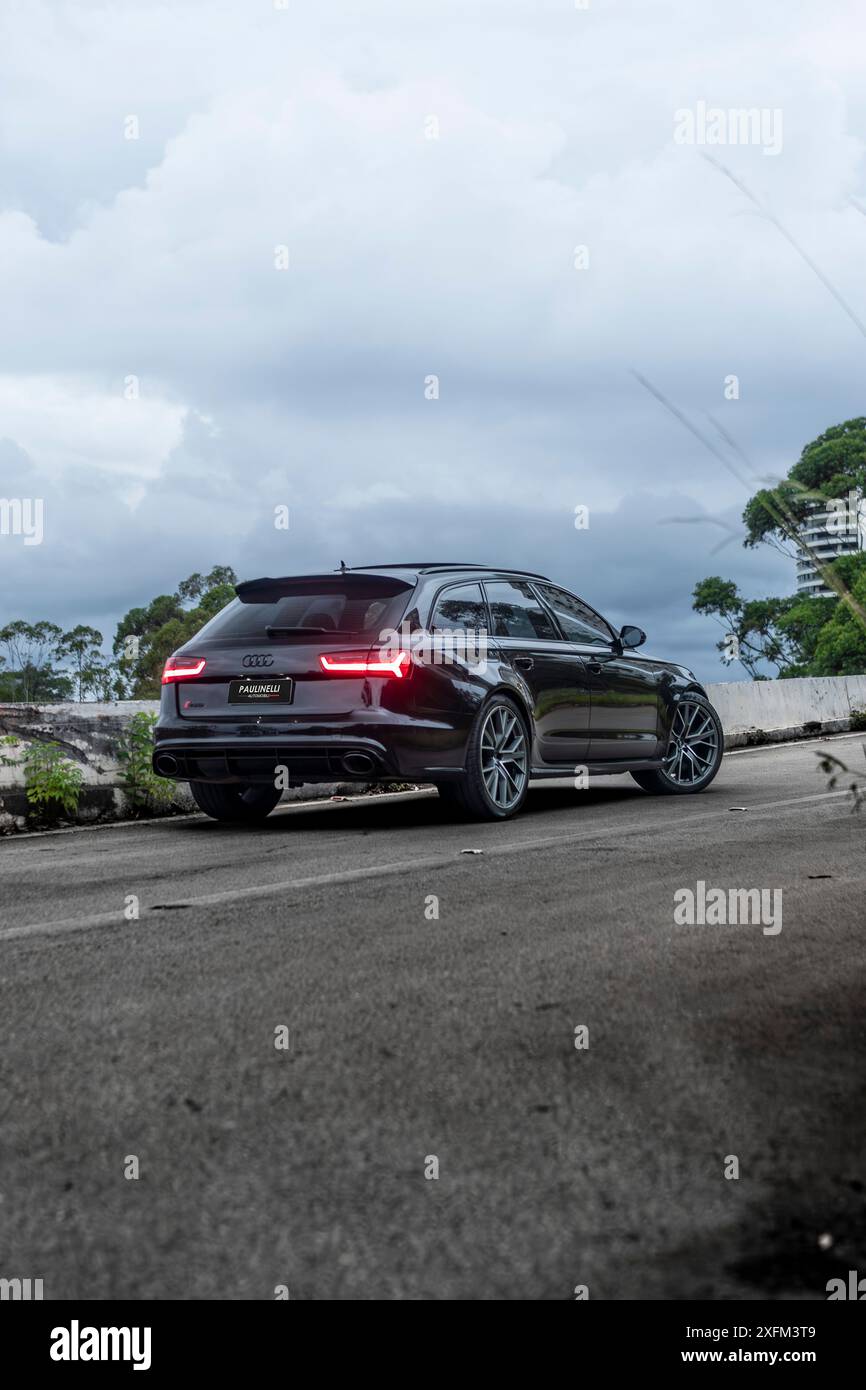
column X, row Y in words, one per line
column 376, row 585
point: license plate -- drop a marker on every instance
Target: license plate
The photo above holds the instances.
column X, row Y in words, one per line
column 252, row 692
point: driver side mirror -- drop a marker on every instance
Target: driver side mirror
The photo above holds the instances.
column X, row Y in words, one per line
column 632, row 636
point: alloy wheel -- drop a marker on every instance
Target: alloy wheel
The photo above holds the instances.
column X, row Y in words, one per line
column 693, row 749
column 503, row 757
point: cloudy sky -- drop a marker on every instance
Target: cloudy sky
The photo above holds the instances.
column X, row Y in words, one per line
column 427, row 172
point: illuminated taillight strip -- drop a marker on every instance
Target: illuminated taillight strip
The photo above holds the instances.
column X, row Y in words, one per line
column 353, row 664
column 181, row 673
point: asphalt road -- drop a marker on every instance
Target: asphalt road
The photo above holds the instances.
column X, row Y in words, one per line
column 412, row 1037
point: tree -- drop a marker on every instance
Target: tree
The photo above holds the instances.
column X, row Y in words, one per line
column 165, row 624
column 105, row 682
column 220, row 577
column 802, row 626
column 197, row 585
column 798, row 635
column 31, row 652
column 188, row 590
column 779, row 632
column 832, row 469
column 832, row 466
column 82, row 646
column 840, row 649
column 801, row 635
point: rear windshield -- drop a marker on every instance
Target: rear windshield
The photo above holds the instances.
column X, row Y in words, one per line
column 331, row 608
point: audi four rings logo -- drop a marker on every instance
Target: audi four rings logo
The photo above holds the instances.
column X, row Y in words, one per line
column 256, row 660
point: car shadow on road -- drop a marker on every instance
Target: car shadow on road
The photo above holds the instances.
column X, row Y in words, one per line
column 367, row 814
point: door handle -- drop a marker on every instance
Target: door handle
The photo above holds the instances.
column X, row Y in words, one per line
column 594, row 666
column 523, row 663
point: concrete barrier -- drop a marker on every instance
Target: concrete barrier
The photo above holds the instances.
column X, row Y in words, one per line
column 767, row 711
column 752, row 712
column 88, row 735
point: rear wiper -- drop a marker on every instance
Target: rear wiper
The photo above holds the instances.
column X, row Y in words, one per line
column 321, row 631
column 282, row 631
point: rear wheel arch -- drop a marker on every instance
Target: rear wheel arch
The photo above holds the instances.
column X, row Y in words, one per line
column 474, row 794
column 518, row 698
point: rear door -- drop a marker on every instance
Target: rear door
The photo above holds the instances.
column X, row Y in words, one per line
column 262, row 651
column 552, row 669
column 624, row 687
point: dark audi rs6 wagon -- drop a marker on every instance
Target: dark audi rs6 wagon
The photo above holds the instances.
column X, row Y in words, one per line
column 475, row 679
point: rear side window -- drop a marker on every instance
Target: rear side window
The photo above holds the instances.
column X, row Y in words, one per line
column 460, row 609
column 578, row 622
column 516, row 612
column 329, row 608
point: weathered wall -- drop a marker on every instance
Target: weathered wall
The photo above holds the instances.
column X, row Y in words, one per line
column 87, row 734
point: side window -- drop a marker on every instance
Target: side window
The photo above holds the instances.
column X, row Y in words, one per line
column 462, row 609
column 516, row 612
column 578, row 622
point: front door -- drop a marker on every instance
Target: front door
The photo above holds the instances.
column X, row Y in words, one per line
column 623, row 687
column 552, row 670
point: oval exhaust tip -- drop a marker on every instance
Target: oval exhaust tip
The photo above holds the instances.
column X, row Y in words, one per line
column 358, row 763
column 166, row 763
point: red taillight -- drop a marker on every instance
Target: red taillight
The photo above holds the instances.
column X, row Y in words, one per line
column 179, row 668
column 375, row 663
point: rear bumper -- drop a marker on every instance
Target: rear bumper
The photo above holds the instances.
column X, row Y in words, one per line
column 414, row 751
column 222, row 761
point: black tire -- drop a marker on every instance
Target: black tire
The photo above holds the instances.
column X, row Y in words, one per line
column 234, row 801
column 662, row 783
column 470, row 795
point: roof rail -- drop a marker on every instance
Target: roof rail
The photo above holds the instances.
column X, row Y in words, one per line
column 437, row 565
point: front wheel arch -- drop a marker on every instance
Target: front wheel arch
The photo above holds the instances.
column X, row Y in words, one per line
column 666, row 782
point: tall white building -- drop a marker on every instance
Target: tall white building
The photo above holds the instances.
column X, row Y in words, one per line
column 829, row 530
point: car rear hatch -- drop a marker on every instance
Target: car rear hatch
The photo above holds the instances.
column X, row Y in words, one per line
column 262, row 654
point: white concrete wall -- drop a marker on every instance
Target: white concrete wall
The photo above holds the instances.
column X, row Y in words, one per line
column 784, row 707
